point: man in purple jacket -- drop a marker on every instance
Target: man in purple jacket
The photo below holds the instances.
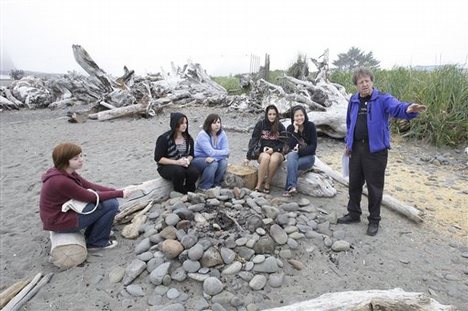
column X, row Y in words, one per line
column 367, row 142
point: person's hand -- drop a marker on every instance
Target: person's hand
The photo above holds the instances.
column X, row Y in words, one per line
column 209, row 160
column 415, row 108
column 296, row 127
column 296, row 148
column 185, row 162
column 268, row 150
column 246, row 162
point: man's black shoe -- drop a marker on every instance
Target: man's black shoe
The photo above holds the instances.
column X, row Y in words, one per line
column 372, row 229
column 348, row 219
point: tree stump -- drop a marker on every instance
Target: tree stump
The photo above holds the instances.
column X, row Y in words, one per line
column 68, row 249
column 241, row 176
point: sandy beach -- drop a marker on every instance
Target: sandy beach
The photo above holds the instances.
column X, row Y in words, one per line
column 431, row 257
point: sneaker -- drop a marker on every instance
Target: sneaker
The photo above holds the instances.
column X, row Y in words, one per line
column 372, row 229
column 348, row 219
column 110, row 244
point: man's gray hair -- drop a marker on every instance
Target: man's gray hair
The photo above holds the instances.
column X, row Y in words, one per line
column 362, row 72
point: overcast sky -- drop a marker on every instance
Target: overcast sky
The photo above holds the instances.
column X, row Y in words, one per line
column 221, row 35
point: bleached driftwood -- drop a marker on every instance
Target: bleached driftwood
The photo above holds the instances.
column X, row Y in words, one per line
column 5, row 103
column 155, row 190
column 309, row 183
column 118, row 112
column 89, row 65
column 28, row 295
column 132, row 231
column 11, row 291
column 395, row 299
column 67, row 249
column 13, row 99
column 387, row 200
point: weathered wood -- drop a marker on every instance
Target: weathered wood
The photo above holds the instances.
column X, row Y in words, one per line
column 11, row 291
column 241, row 176
column 369, row 300
column 13, row 99
column 118, row 112
column 10, row 306
column 67, row 249
column 387, row 200
column 32, row 292
column 156, row 190
column 5, row 103
column 89, row 65
column 132, row 230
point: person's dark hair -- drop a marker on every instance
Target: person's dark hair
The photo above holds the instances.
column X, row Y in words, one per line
column 185, row 134
column 63, row 153
column 362, row 72
column 210, row 119
column 275, row 124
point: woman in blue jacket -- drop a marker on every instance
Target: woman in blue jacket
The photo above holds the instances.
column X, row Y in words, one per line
column 211, row 153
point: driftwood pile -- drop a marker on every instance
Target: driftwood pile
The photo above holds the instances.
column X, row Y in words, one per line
column 130, row 94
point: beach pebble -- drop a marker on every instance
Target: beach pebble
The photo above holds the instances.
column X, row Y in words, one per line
column 191, row 265
column 212, row 286
column 133, row 270
column 278, row 234
column 135, row 290
column 276, row 279
column 172, row 307
column 179, row 274
column 228, row 255
column 341, row 246
column 173, row 293
column 143, row 246
column 258, row 282
column 155, row 300
column 171, row 248
column 217, row 307
column 270, row 265
column 168, row 233
column 233, row 268
column 116, row 274
column 296, row 264
column 211, row 257
column 265, row 245
column 189, row 240
column 157, row 275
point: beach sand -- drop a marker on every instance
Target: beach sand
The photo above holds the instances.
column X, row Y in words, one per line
column 428, row 257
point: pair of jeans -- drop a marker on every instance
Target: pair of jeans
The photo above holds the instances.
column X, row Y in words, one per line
column 183, row 178
column 98, row 224
column 368, row 167
column 294, row 164
column 212, row 174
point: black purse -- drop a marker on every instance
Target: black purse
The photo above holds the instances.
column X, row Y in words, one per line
column 255, row 150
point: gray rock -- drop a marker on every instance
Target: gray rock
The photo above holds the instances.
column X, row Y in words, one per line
column 285, row 253
column 184, row 213
column 296, row 264
column 297, row 235
column 246, row 276
column 259, row 259
column 212, row 286
column 135, row 290
column 157, row 275
column 172, row 219
column 241, row 241
column 258, row 282
column 189, row 240
column 146, row 256
column 196, row 252
column 278, row 234
column 211, row 257
column 260, row 231
column 253, row 222
column 197, row 304
column 155, row 262
column 282, row 219
column 303, row 202
column 173, row 307
column 160, row 290
column 270, row 211
column 246, row 252
column 265, row 245
column 270, row 265
column 179, row 274
column 143, row 246
column 248, row 266
column 116, row 274
column 191, row 265
column 276, row 279
column 292, row 244
column 289, row 207
column 228, row 255
column 224, row 298
column 173, row 293
column 133, row 270
column 341, row 246
column 155, row 300
column 327, row 241
column 198, row 276
column 217, row 307
column 171, row 248
column 233, row 268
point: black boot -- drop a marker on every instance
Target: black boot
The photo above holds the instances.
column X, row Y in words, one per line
column 348, row 219
column 372, row 228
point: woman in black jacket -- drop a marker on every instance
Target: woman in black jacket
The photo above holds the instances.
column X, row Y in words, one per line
column 303, row 143
column 266, row 147
column 174, row 154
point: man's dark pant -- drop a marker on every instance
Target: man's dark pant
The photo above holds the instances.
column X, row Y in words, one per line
column 370, row 168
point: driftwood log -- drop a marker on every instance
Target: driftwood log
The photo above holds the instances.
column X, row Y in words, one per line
column 67, row 249
column 11, row 291
column 387, row 200
column 118, row 112
column 369, row 300
column 132, row 230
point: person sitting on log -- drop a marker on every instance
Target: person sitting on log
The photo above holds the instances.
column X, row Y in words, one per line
column 367, row 144
column 211, row 153
column 302, row 143
column 174, row 154
column 62, row 183
column 266, row 146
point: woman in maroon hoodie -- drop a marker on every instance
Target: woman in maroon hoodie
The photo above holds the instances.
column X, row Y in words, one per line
column 62, row 183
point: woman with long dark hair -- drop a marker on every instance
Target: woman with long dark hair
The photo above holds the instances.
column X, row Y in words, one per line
column 211, row 153
column 266, row 139
column 174, row 154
